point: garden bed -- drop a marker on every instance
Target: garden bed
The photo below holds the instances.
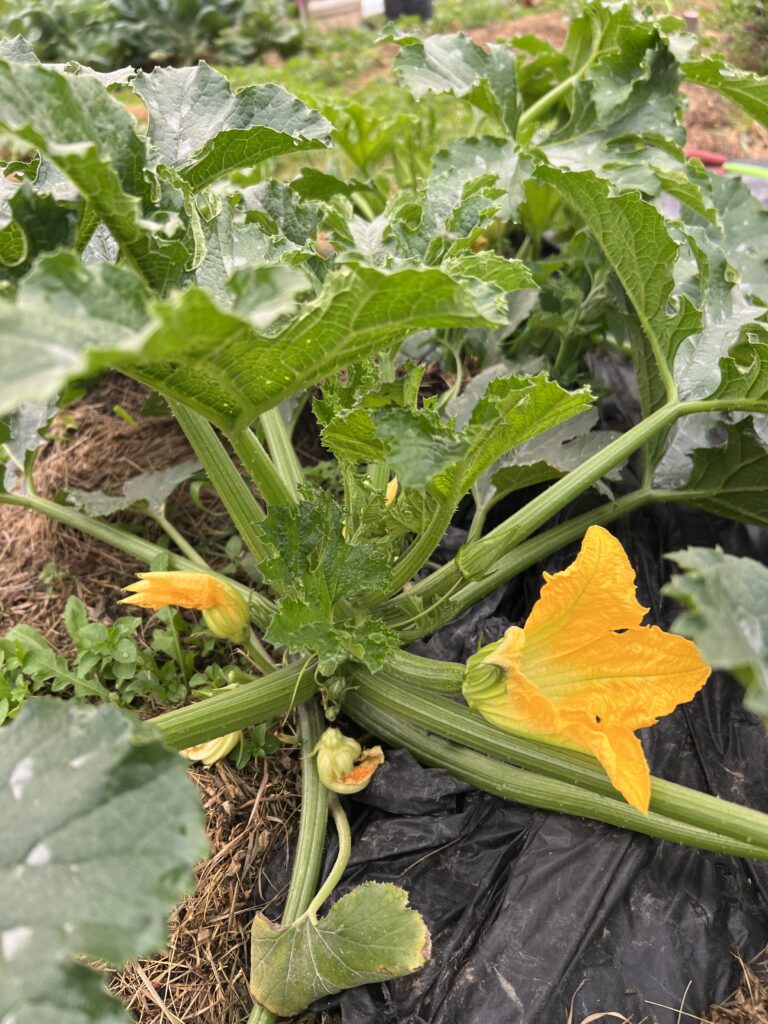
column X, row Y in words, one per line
column 366, row 540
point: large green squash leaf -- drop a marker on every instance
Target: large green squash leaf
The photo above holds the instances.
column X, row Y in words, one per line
column 458, row 65
column 92, row 139
column 202, row 129
column 727, row 615
column 635, row 240
column 729, row 479
column 368, row 935
column 745, row 88
column 70, row 319
column 101, row 829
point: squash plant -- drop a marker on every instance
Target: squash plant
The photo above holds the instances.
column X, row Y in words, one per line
column 544, row 236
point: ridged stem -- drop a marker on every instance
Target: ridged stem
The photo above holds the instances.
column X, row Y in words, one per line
column 262, row 699
column 262, row 469
column 234, row 492
column 454, row 721
column 527, row 787
column 432, row 590
column 308, row 856
column 282, row 451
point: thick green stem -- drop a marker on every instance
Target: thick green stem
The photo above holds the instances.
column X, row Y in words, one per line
column 234, row 492
column 527, row 787
column 264, row 698
column 420, row 550
column 454, row 721
column 431, row 591
column 477, row 559
column 261, row 607
column 282, row 451
column 415, row 673
column 308, row 856
column 256, row 651
column 263, row 472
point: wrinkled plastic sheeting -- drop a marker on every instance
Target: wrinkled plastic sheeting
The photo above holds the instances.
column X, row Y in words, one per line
column 530, row 910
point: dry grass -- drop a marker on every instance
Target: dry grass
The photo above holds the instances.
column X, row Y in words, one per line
column 95, row 449
column 750, row 1004
column 202, row 976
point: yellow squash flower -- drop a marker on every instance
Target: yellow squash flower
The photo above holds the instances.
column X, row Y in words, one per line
column 583, row 671
column 343, row 765
column 224, row 609
column 391, row 492
column 213, row 750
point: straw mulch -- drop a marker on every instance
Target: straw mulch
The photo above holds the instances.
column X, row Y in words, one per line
column 94, row 448
column 202, row 976
column 750, row 1004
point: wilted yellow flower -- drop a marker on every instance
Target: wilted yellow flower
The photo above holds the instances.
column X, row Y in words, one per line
column 213, row 750
column 224, row 609
column 343, row 765
column 583, row 670
column 391, row 492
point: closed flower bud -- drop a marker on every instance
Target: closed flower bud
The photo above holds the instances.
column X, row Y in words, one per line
column 391, row 492
column 213, row 750
column 484, row 681
column 343, row 765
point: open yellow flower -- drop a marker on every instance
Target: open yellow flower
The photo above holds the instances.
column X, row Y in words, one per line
column 583, row 670
column 224, row 609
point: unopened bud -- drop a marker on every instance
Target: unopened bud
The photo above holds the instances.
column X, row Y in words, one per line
column 343, row 765
column 483, row 680
column 213, row 750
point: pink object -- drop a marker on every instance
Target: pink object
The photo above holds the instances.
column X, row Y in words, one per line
column 707, row 157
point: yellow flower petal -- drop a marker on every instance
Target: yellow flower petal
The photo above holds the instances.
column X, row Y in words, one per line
column 584, row 672
column 224, row 609
column 157, row 590
column 391, row 492
column 594, row 595
column 213, row 750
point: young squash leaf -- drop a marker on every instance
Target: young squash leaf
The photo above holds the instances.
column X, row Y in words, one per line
column 513, row 410
column 369, row 935
column 458, row 65
column 101, row 830
column 727, row 615
column 320, row 576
